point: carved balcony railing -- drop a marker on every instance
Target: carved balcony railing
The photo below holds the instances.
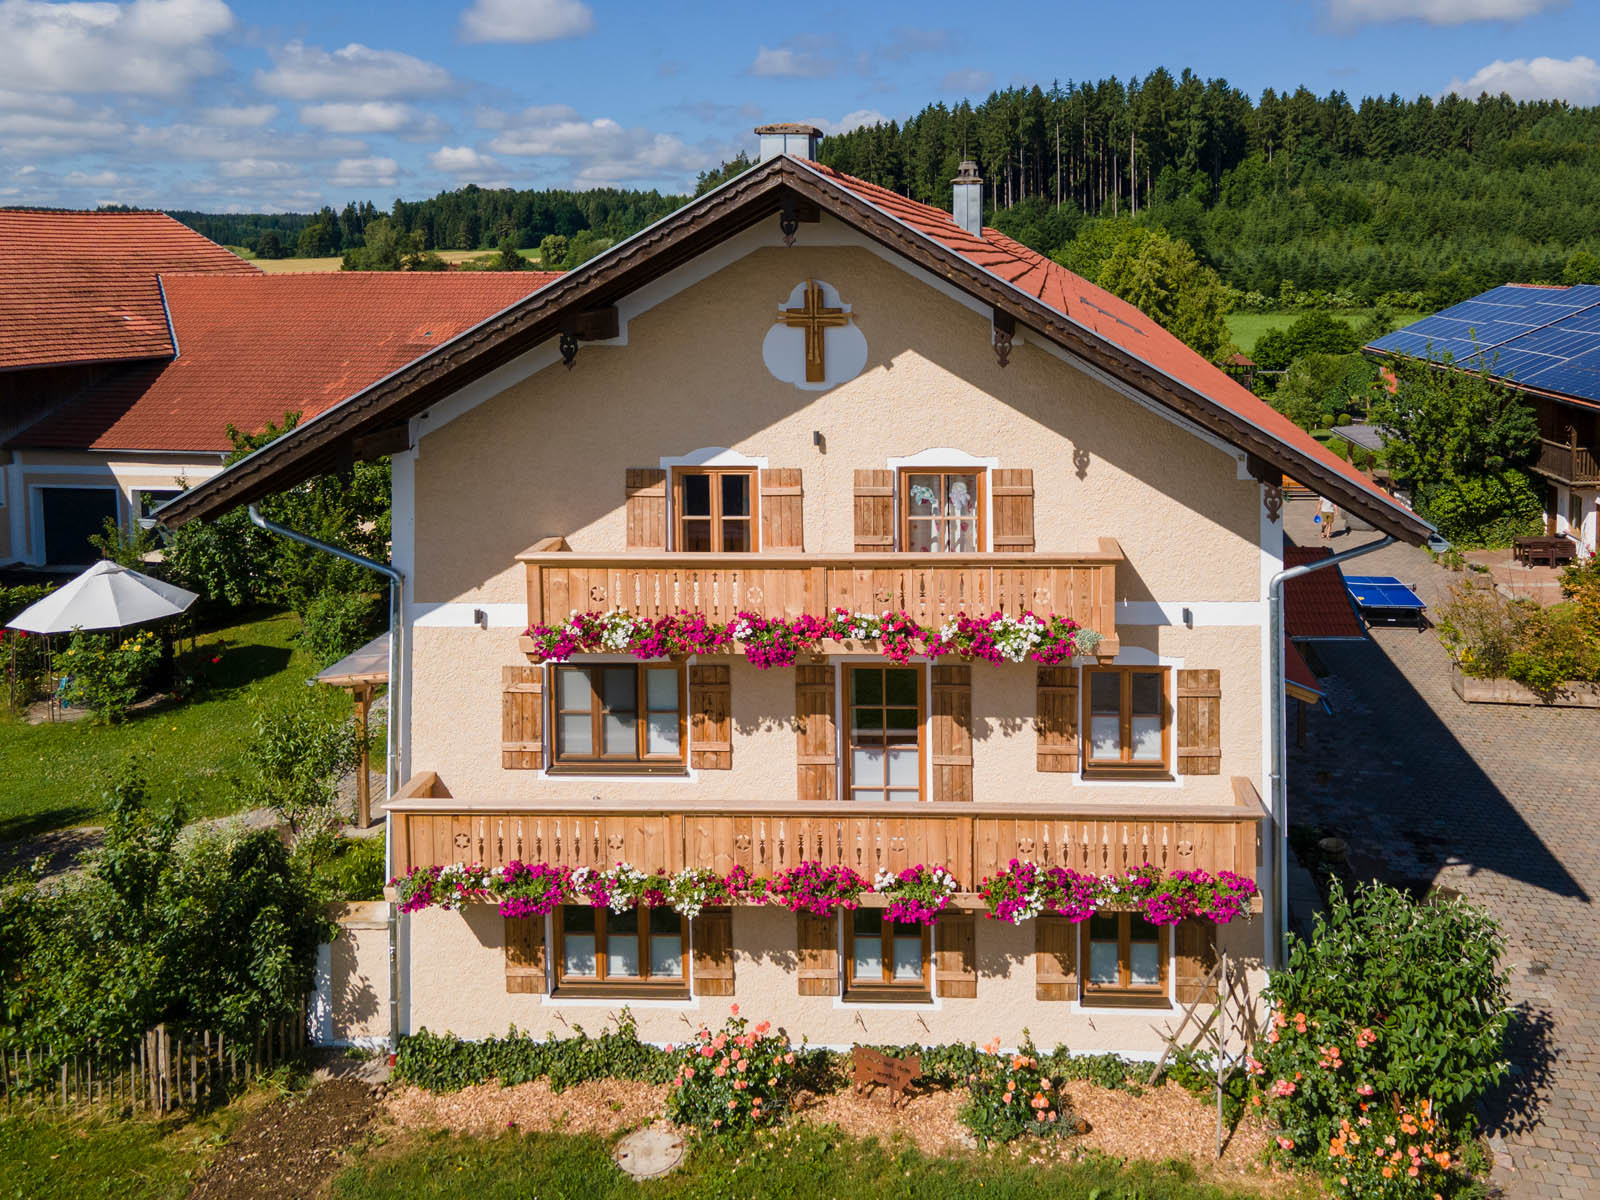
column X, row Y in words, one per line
column 972, row 841
column 1568, row 462
column 930, row 587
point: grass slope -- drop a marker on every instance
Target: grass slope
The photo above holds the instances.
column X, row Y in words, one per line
column 48, row 1157
column 56, row 775
column 806, row 1164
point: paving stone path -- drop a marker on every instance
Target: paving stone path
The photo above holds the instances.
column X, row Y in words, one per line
column 1501, row 804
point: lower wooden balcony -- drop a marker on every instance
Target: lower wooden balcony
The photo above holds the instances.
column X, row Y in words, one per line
column 971, row 841
column 1569, row 462
column 930, row 587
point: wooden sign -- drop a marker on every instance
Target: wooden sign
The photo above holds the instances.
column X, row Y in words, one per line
column 873, row 1069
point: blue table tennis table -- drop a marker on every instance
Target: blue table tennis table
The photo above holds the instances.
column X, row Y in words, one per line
column 1385, row 598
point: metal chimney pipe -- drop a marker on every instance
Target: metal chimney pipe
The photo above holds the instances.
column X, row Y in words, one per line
column 968, row 199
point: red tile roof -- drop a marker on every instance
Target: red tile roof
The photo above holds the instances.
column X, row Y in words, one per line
column 1316, row 606
column 1113, row 319
column 1299, row 680
column 252, row 348
column 81, row 286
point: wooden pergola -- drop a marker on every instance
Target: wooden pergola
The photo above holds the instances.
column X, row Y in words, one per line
column 361, row 673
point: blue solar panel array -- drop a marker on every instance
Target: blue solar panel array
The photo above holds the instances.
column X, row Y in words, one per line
column 1537, row 337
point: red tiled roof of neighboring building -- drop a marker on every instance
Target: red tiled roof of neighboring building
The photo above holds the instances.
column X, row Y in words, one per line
column 1098, row 310
column 252, row 348
column 1316, row 606
column 1299, row 680
column 81, row 286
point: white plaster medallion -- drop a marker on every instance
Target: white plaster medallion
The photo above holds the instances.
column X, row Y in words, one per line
column 844, row 347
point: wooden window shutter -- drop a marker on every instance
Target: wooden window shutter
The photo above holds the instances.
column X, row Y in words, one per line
column 522, row 718
column 783, row 525
column 1194, row 957
column 712, row 932
column 1056, row 722
column 1055, row 970
column 815, row 750
column 646, row 489
column 1199, row 722
column 955, row 956
column 710, row 718
column 951, row 727
column 525, row 954
column 1013, row 509
column 819, row 955
column 874, row 511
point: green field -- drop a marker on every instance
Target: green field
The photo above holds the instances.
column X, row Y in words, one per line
column 1247, row 327
column 299, row 266
column 55, row 775
column 50, row 1157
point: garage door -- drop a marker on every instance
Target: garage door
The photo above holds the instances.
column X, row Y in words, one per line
column 71, row 515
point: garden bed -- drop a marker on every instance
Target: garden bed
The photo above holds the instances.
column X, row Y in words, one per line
column 1575, row 694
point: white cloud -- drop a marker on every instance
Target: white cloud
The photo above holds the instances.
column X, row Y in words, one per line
column 1435, row 12
column 371, row 171
column 356, row 72
column 851, row 120
column 370, row 116
column 94, row 179
column 147, row 47
column 1575, row 80
column 525, row 20
column 247, row 116
column 460, row 160
column 791, row 61
column 599, row 152
column 968, row 83
column 259, row 168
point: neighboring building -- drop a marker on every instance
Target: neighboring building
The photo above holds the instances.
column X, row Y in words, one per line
column 894, row 412
column 1543, row 341
column 121, row 367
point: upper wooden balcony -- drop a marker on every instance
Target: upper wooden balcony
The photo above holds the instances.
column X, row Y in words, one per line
column 971, row 840
column 930, row 587
column 1568, row 462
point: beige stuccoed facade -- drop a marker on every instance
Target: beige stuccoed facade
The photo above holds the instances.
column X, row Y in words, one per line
column 546, row 456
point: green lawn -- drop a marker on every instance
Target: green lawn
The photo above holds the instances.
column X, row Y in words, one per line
column 1247, row 327
column 56, row 775
column 805, row 1163
column 48, row 1157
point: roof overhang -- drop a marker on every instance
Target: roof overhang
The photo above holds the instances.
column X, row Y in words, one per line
column 327, row 441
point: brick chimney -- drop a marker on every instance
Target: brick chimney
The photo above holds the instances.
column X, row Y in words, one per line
column 967, row 206
column 788, row 138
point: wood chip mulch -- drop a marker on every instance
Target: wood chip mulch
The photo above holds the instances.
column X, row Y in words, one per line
column 291, row 1147
column 1159, row 1124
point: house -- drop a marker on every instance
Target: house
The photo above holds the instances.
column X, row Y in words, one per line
column 802, row 393
column 1543, row 341
column 129, row 344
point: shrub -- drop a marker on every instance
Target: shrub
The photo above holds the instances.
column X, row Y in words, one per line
column 1393, row 1007
column 729, row 1081
column 1013, row 1095
column 1483, row 510
column 348, row 868
column 106, row 674
column 445, row 1063
column 297, row 753
column 338, row 622
column 1490, row 637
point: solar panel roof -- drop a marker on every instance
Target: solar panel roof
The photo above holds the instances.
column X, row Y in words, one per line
column 1545, row 338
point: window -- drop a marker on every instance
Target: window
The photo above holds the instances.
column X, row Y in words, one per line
column 147, row 500
column 1126, row 959
column 1575, row 514
column 716, row 511
column 622, row 717
column 642, row 950
column 1126, row 714
column 885, row 761
column 885, row 960
column 941, row 511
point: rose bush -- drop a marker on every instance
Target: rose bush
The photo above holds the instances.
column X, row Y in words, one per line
column 732, row 1080
column 1012, row 1096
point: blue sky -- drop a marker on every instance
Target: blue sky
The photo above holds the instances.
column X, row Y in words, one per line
column 248, row 105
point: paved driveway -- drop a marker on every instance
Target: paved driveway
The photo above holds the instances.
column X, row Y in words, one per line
column 1501, row 804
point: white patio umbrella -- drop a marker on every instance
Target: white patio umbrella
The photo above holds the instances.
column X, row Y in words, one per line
column 106, row 596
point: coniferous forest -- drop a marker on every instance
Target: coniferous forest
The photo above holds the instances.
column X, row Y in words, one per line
column 1418, row 201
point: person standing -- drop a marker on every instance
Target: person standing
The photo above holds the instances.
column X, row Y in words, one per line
column 1326, row 511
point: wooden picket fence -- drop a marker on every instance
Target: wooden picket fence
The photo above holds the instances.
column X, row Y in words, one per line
column 168, row 1069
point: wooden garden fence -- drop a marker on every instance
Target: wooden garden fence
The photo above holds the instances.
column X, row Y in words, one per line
column 169, row 1068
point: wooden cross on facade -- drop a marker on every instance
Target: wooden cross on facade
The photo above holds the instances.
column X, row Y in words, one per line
column 813, row 317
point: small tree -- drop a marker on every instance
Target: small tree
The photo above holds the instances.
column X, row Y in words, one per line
column 297, row 754
column 1583, row 266
column 553, row 251
column 269, row 245
column 510, row 258
column 1162, row 277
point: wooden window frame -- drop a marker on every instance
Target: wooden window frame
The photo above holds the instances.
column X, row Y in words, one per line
column 1125, row 767
column 902, row 496
column 753, row 474
column 886, row 990
column 1125, row 994
column 640, row 763
column 846, row 732
column 674, row 987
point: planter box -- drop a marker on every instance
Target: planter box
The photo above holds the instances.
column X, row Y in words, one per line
column 1509, row 691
